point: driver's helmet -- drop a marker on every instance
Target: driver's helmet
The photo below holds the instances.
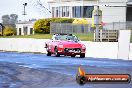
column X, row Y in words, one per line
column 55, row 37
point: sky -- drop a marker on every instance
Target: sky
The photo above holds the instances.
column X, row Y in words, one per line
column 16, row 7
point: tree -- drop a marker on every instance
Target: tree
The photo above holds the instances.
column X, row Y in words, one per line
column 1, row 29
column 9, row 19
column 13, row 18
column 5, row 19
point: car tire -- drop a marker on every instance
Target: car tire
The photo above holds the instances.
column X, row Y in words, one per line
column 73, row 55
column 82, row 56
column 48, row 53
column 56, row 52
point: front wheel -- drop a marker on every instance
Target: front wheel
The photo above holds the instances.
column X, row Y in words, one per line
column 48, row 53
column 56, row 52
column 82, row 55
column 73, row 55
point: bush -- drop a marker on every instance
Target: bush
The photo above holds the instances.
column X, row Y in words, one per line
column 62, row 20
column 9, row 31
column 42, row 26
column 0, row 33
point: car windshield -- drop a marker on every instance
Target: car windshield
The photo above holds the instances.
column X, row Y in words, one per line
column 66, row 37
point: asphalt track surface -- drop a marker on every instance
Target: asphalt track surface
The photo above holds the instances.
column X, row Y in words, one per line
column 28, row 70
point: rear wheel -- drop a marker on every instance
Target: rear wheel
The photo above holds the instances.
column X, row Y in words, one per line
column 48, row 53
column 82, row 55
column 56, row 52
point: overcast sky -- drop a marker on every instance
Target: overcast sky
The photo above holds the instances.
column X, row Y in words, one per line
column 16, row 7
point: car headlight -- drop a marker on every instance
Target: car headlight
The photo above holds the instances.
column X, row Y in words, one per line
column 83, row 47
column 60, row 46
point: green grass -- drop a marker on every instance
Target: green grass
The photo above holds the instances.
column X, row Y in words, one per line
column 37, row 36
column 86, row 37
column 83, row 37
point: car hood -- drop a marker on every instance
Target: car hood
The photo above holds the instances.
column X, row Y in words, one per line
column 71, row 44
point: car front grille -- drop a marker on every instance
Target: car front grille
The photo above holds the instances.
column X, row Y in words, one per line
column 72, row 49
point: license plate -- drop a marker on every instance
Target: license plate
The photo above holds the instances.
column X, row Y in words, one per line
column 77, row 52
column 73, row 51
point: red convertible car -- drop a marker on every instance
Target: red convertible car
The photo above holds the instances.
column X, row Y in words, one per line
column 65, row 44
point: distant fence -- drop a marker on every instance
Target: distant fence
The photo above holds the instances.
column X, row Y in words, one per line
column 70, row 28
column 86, row 28
column 118, row 26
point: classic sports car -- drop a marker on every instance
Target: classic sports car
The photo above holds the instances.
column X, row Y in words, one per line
column 65, row 44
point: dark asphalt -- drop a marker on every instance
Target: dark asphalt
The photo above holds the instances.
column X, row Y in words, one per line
column 17, row 68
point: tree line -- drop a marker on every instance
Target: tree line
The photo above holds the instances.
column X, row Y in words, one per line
column 8, row 27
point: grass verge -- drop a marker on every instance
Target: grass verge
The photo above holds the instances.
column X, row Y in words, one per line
column 83, row 37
